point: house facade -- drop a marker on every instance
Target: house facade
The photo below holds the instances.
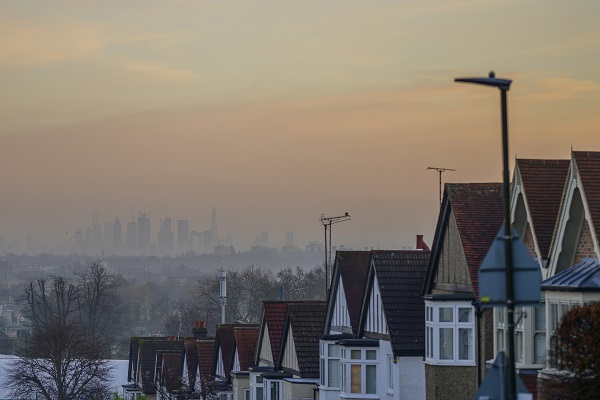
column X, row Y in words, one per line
column 244, row 348
column 458, row 335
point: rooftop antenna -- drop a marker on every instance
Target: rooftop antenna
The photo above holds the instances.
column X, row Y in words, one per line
column 327, row 222
column 223, row 293
column 440, row 171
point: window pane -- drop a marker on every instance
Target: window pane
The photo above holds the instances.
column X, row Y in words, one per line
column 334, row 350
column 446, row 344
column 259, row 379
column 322, row 371
column 355, row 379
column 333, row 371
column 500, row 314
column 259, row 393
column 465, row 314
column 371, row 355
column 500, row 339
column 519, row 346
column 371, row 379
column 553, row 316
column 446, row 314
column 430, row 342
column 274, row 390
column 540, row 348
column 355, row 354
column 465, row 344
column 540, row 317
column 246, row 394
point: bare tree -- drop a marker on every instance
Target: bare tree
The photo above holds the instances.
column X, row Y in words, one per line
column 62, row 359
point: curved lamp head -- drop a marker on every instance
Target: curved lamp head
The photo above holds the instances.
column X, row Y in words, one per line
column 491, row 80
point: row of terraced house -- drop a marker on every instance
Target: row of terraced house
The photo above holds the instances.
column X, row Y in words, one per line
column 405, row 324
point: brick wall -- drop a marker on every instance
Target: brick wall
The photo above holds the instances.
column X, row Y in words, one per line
column 585, row 247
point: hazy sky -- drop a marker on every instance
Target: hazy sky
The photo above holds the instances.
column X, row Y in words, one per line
column 278, row 111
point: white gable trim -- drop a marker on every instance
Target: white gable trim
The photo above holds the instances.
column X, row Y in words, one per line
column 573, row 183
column 266, row 355
column 376, row 322
column 290, row 358
column 516, row 190
column 220, row 372
column 236, row 361
column 340, row 320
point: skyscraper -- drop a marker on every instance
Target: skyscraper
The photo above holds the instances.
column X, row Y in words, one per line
column 164, row 243
column 214, row 231
column 143, row 234
column 183, row 235
column 131, row 237
column 117, row 235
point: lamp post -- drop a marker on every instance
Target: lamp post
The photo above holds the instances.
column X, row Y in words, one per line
column 504, row 86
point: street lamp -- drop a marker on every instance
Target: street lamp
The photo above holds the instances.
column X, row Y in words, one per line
column 504, row 86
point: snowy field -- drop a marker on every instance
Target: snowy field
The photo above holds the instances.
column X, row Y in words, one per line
column 119, row 374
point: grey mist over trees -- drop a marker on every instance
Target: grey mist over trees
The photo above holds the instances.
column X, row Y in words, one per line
column 66, row 353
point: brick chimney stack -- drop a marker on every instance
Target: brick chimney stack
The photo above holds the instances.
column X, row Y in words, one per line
column 421, row 245
column 200, row 330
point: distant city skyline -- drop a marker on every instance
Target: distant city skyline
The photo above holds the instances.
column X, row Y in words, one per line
column 278, row 112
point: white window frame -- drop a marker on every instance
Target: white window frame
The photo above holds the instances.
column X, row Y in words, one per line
column 390, row 373
column 526, row 334
column 256, row 382
column 326, row 359
column 432, row 332
column 348, row 362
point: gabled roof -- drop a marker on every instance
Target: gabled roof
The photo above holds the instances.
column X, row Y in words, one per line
column 206, row 353
column 134, row 345
column 543, row 182
column 588, row 165
column 273, row 317
column 150, row 355
column 171, row 371
column 191, row 359
column 306, row 320
column 400, row 275
column 351, row 268
column 478, row 212
column 245, row 345
column 224, row 342
column 583, row 277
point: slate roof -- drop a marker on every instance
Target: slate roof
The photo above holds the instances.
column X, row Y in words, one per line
column 582, row 277
column 306, row 320
column 543, row 182
column 150, row 355
column 191, row 359
column 588, row 165
column 400, row 274
column 273, row 317
column 352, row 268
column 479, row 214
column 134, row 345
column 245, row 345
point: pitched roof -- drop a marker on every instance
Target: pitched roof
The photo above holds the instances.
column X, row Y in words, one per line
column 352, row 267
column 191, row 359
column 478, row 211
column 582, row 277
column 588, row 165
column 306, row 321
column 150, row 355
column 543, row 182
column 274, row 317
column 206, row 352
column 171, row 371
column 400, row 275
column 224, row 341
column 134, row 345
column 245, row 345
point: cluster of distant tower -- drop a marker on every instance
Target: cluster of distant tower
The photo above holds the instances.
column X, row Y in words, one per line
column 138, row 237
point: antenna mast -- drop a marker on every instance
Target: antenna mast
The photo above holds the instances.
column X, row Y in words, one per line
column 440, row 171
column 327, row 222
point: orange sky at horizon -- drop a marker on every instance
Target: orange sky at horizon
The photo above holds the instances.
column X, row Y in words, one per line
column 277, row 113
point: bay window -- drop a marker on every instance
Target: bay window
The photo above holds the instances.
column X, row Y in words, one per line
column 359, row 372
column 330, row 364
column 449, row 333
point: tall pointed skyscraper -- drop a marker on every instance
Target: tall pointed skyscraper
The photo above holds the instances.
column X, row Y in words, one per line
column 214, row 231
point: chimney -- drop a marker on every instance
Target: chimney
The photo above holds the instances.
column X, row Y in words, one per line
column 421, row 245
column 200, row 330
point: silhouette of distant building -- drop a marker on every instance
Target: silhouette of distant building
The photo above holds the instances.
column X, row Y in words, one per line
column 164, row 243
column 117, row 235
column 131, row 237
column 183, row 235
column 143, row 234
column 214, row 230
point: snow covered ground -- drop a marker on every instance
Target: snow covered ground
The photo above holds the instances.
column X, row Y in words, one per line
column 119, row 374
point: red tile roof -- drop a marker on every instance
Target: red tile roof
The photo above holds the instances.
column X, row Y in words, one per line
column 543, row 183
column 588, row 165
column 274, row 317
column 479, row 215
column 206, row 351
column 245, row 344
column 353, row 267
